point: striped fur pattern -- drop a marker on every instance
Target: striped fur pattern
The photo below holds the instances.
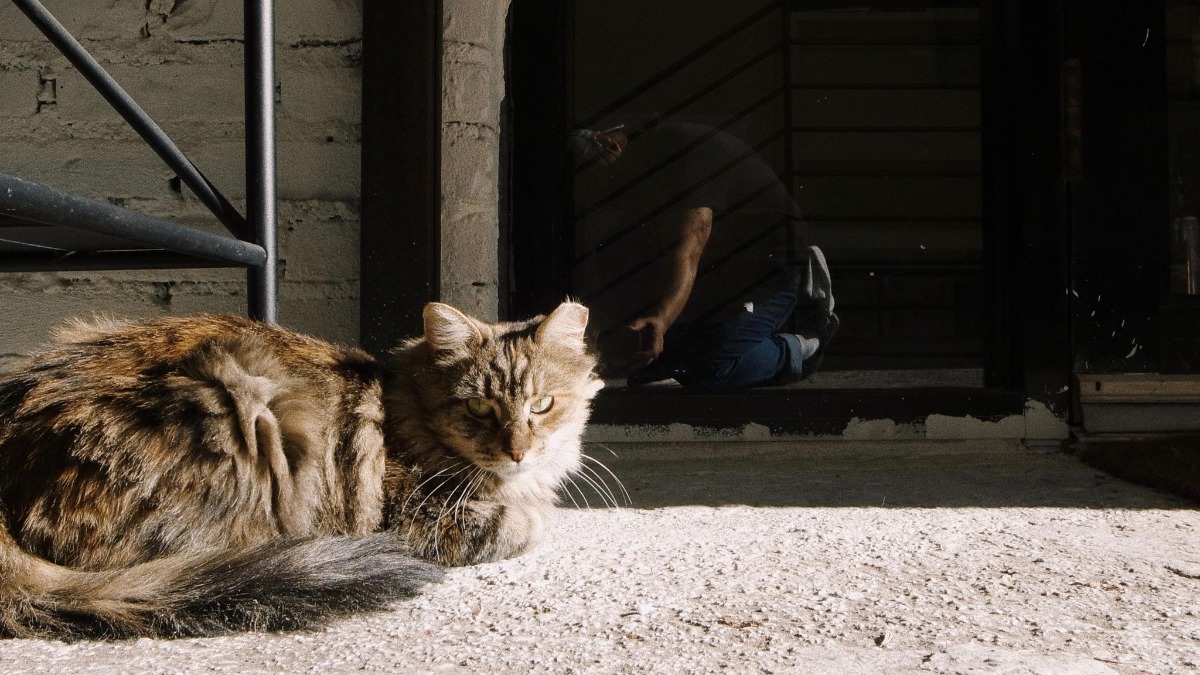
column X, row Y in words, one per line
column 488, row 420
column 196, row 476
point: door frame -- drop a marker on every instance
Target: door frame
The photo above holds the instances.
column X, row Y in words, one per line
column 400, row 229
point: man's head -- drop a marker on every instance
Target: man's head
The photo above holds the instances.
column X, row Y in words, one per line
column 590, row 146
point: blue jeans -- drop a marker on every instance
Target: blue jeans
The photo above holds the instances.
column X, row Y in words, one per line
column 742, row 352
column 746, row 349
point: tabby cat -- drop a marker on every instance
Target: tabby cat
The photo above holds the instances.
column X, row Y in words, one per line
column 196, row 476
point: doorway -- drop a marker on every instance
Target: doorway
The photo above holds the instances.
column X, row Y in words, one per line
column 870, row 116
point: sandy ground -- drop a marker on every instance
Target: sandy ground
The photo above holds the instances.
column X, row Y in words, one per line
column 780, row 557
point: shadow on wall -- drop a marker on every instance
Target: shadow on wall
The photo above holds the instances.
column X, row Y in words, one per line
column 984, row 474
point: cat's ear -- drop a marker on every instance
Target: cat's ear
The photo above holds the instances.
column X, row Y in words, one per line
column 565, row 325
column 449, row 330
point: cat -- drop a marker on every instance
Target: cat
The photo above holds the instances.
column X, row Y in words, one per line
column 195, row 476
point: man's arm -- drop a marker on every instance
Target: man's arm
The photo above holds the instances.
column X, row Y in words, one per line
column 695, row 228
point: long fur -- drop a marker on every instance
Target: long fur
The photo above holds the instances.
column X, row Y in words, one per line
column 279, row 585
column 197, row 476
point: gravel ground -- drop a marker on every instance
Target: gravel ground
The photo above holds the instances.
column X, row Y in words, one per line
column 780, row 557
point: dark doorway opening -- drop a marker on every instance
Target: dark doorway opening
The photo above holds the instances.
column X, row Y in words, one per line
column 876, row 121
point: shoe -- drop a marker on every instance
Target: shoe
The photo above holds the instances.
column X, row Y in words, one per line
column 819, row 284
column 826, row 327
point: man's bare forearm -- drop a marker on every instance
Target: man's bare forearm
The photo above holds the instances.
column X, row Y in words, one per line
column 695, row 228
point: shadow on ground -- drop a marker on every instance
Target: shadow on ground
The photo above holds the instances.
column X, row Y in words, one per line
column 896, row 474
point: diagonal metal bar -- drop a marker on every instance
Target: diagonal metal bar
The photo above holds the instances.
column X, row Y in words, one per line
column 51, row 206
column 620, row 277
column 699, row 94
column 137, row 118
column 668, row 204
column 87, row 261
column 678, row 65
column 644, row 175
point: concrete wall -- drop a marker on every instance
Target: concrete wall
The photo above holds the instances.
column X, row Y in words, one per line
column 473, row 89
column 181, row 59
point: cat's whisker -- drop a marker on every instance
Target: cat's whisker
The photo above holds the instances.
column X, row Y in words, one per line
column 599, row 487
column 582, row 495
column 439, row 486
column 437, row 522
column 598, row 484
column 411, row 531
column 567, row 473
column 601, row 445
column 462, row 490
column 587, row 505
column 454, row 506
column 563, row 487
column 436, row 535
column 564, row 490
column 628, row 499
column 422, row 484
column 448, row 509
column 608, row 491
column 474, row 480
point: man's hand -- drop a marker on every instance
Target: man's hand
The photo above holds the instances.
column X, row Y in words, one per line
column 694, row 229
column 651, row 330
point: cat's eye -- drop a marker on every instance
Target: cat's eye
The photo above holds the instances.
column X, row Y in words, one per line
column 479, row 407
column 541, row 404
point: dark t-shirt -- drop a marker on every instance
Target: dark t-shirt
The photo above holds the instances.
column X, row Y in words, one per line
column 712, row 168
column 758, row 231
column 631, row 211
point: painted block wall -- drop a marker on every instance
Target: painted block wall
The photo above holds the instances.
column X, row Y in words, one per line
column 182, row 61
column 472, row 94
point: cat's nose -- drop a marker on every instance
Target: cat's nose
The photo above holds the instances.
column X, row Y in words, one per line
column 516, row 443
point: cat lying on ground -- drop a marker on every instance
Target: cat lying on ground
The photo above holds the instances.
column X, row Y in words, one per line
column 196, row 476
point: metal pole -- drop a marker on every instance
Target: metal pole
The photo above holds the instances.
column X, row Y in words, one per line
column 260, row 155
column 51, row 206
column 137, row 118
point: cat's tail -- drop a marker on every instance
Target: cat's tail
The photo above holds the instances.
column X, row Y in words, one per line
column 282, row 585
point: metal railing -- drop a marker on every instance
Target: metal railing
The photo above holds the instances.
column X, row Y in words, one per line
column 616, row 233
column 168, row 245
column 778, row 48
